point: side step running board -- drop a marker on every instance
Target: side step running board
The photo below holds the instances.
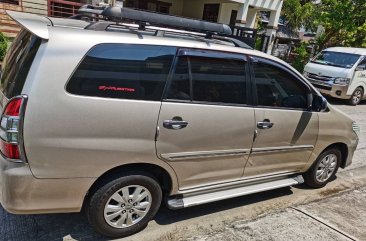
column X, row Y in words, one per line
column 192, row 200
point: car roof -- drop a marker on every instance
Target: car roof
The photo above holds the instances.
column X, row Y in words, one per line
column 349, row 50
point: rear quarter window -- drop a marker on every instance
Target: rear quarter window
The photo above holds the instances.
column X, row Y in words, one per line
column 18, row 62
column 124, row 71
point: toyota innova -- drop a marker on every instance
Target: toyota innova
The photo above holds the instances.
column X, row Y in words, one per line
column 118, row 115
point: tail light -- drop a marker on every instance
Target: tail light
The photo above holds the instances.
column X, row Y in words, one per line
column 11, row 129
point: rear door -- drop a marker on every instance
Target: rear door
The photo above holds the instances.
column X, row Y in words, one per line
column 206, row 123
column 286, row 130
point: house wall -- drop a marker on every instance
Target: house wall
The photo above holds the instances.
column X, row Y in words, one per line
column 176, row 8
column 194, row 9
column 35, row 6
column 7, row 25
column 262, row 4
column 225, row 12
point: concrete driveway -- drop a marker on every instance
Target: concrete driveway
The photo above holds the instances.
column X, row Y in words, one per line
column 233, row 219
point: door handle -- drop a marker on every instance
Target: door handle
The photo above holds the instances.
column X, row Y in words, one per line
column 265, row 124
column 176, row 123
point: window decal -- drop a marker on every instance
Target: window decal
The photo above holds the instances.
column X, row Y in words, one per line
column 114, row 88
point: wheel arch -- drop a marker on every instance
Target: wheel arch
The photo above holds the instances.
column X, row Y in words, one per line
column 343, row 148
column 163, row 176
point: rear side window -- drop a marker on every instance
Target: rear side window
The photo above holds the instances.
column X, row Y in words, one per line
column 18, row 62
column 211, row 80
column 123, row 71
column 278, row 88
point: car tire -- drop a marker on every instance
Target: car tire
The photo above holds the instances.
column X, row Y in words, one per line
column 324, row 168
column 124, row 206
column 356, row 96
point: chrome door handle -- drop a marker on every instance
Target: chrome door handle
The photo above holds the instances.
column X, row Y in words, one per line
column 175, row 124
column 265, row 124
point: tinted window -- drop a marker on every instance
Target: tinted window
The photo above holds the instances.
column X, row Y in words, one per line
column 18, row 62
column 212, row 79
column 278, row 88
column 180, row 86
column 338, row 59
column 123, row 71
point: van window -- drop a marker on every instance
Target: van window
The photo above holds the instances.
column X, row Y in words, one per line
column 124, row 71
column 338, row 59
column 278, row 88
column 18, row 62
column 213, row 80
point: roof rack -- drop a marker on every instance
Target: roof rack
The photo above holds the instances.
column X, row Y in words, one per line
column 117, row 17
column 144, row 18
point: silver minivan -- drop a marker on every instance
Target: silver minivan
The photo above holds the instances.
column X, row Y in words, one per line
column 114, row 116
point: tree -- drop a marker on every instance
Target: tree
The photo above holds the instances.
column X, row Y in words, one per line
column 297, row 14
column 3, row 46
column 344, row 22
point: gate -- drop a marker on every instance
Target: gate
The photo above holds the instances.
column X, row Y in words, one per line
column 246, row 35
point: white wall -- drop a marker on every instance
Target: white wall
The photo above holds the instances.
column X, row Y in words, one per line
column 263, row 4
column 176, row 8
column 194, row 8
column 225, row 12
column 35, row 6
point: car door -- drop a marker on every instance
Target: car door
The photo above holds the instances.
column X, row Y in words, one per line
column 286, row 131
column 359, row 78
column 205, row 124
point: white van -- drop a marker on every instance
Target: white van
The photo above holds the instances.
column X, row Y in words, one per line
column 339, row 72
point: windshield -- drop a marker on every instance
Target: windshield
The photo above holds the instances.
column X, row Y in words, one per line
column 17, row 63
column 343, row 60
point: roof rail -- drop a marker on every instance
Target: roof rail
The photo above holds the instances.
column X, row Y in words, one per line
column 145, row 18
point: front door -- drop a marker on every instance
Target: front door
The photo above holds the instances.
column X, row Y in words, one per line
column 286, row 131
column 205, row 125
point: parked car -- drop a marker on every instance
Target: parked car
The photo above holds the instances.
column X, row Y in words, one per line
column 339, row 72
column 115, row 118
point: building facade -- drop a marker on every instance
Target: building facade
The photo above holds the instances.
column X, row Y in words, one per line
column 242, row 13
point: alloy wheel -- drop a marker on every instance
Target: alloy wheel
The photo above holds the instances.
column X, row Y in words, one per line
column 326, row 168
column 127, row 206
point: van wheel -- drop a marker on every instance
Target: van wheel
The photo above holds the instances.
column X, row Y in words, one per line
column 324, row 169
column 356, row 96
column 124, row 206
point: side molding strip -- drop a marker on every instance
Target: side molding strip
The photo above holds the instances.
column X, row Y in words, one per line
column 203, row 154
column 281, row 149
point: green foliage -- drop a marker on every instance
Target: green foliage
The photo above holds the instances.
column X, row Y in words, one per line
column 258, row 43
column 298, row 14
column 302, row 57
column 3, row 46
column 344, row 22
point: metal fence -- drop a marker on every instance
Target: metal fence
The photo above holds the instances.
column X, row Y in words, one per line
column 247, row 35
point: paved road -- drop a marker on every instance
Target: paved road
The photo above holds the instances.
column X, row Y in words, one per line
column 195, row 221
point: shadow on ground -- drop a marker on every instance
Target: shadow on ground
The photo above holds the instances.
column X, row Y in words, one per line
column 74, row 226
column 335, row 101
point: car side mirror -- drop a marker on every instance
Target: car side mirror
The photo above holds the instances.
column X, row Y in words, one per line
column 320, row 104
column 361, row 67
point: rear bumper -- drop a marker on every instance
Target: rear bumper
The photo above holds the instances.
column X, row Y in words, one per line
column 22, row 193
